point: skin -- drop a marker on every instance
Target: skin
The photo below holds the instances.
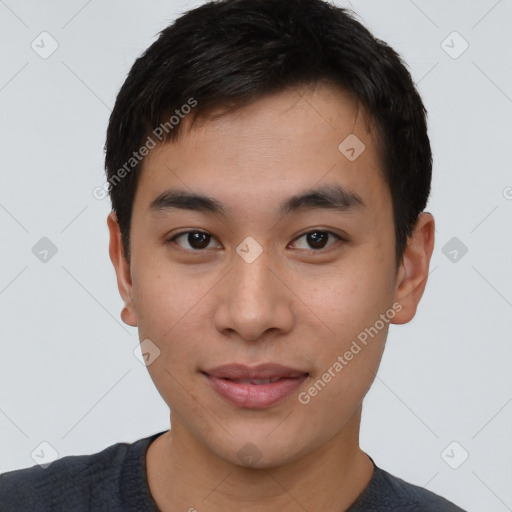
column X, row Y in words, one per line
column 296, row 305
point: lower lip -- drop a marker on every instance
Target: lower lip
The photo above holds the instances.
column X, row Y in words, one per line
column 255, row 396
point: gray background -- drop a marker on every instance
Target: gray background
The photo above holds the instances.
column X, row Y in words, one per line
column 68, row 373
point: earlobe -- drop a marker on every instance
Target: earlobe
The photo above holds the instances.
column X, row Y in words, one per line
column 128, row 317
column 122, row 269
column 413, row 271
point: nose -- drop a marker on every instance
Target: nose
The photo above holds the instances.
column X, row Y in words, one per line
column 253, row 300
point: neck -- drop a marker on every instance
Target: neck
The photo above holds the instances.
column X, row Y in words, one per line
column 184, row 475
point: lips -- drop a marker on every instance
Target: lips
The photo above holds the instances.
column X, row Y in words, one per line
column 255, row 387
column 259, row 372
column 257, row 382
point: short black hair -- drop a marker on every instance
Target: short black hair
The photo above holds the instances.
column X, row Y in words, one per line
column 230, row 53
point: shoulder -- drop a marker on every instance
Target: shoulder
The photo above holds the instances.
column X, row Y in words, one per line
column 389, row 493
column 75, row 482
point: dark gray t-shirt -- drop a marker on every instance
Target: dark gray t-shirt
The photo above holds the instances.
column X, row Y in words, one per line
column 115, row 480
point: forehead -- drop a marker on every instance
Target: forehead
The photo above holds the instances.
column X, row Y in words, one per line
column 274, row 147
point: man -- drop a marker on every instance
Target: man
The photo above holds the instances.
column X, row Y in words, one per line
column 268, row 165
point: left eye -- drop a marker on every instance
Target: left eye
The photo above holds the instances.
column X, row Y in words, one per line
column 197, row 240
column 317, row 239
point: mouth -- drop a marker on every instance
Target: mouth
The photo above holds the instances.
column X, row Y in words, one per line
column 256, row 382
column 255, row 387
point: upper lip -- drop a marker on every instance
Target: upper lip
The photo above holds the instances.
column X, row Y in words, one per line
column 260, row 371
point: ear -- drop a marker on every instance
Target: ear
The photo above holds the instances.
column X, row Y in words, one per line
column 122, row 268
column 413, row 271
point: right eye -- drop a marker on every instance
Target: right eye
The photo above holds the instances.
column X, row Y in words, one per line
column 197, row 240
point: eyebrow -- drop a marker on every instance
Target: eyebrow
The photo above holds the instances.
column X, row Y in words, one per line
column 326, row 197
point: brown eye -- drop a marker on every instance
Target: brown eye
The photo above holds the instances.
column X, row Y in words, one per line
column 317, row 239
column 196, row 240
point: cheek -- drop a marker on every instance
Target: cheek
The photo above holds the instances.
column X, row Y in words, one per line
column 167, row 299
column 171, row 314
column 349, row 349
column 351, row 299
column 346, row 367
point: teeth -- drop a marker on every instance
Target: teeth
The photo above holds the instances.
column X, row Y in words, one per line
column 257, row 381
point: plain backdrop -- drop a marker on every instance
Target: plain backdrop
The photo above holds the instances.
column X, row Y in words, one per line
column 68, row 373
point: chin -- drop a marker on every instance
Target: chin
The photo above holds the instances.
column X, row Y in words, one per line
column 261, row 452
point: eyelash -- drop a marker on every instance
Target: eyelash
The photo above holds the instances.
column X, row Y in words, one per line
column 173, row 239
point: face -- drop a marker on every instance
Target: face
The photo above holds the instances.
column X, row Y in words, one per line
column 287, row 258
